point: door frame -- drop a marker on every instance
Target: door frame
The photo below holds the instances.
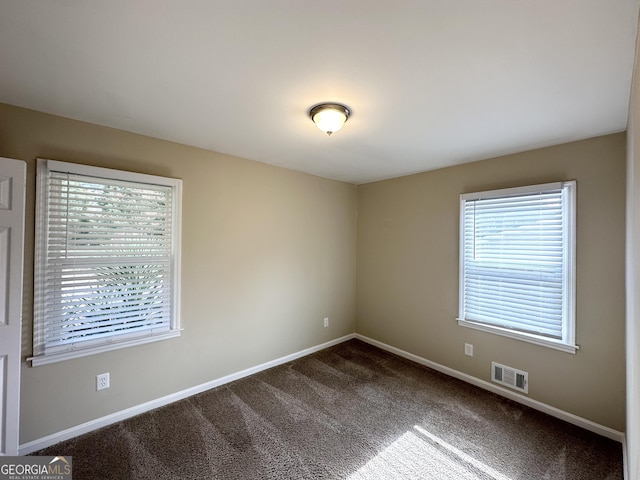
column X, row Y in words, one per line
column 12, row 215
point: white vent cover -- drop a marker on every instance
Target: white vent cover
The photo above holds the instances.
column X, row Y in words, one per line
column 510, row 377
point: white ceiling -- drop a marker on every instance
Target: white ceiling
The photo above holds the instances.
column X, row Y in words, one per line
column 431, row 82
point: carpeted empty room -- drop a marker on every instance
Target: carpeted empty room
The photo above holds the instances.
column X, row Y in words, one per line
column 351, row 411
column 351, row 240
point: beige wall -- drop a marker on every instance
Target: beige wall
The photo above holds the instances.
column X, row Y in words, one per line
column 633, row 276
column 267, row 253
column 407, row 294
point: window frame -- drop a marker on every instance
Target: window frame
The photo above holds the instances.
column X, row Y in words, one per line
column 43, row 355
column 567, row 342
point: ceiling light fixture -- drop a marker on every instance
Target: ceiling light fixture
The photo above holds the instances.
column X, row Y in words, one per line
column 329, row 117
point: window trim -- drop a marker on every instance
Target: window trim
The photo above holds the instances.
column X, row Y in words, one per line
column 567, row 343
column 40, row 356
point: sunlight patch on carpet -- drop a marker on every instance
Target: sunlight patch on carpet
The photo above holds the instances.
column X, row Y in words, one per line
column 419, row 452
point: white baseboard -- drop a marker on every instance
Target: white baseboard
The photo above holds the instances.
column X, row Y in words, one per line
column 536, row 405
column 91, row 425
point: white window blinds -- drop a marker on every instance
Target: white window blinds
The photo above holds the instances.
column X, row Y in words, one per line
column 107, row 257
column 517, row 260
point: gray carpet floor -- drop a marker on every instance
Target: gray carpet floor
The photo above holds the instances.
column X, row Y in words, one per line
column 351, row 411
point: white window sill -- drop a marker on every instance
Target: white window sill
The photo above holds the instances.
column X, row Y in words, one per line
column 525, row 337
column 78, row 352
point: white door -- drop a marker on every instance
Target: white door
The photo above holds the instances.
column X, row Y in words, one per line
column 12, row 191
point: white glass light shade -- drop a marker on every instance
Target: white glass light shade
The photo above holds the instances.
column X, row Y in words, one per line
column 329, row 117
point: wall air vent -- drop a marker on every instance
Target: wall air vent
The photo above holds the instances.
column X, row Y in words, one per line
column 510, row 377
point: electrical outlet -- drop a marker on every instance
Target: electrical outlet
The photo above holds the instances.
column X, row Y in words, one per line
column 468, row 350
column 326, row 321
column 102, row 381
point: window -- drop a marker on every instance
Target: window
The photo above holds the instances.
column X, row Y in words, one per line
column 517, row 275
column 107, row 264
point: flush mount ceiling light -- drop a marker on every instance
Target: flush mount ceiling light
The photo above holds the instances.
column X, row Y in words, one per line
column 329, row 117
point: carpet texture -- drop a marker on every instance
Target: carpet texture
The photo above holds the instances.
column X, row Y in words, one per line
column 351, row 411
